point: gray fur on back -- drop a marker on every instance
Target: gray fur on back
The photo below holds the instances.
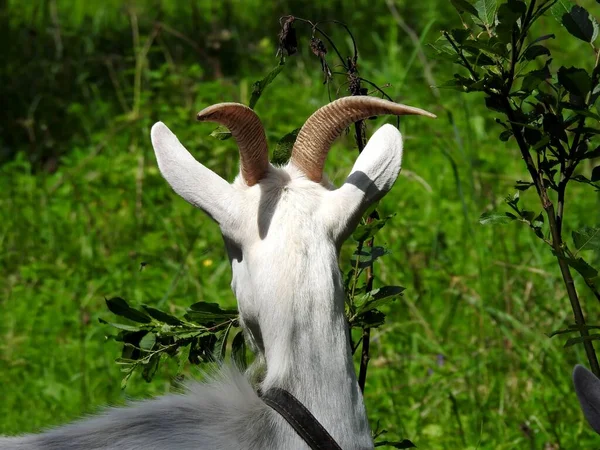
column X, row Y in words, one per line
column 587, row 387
column 224, row 413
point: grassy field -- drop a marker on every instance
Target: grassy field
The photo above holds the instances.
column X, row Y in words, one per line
column 463, row 360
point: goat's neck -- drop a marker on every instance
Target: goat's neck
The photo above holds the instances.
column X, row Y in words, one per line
column 307, row 349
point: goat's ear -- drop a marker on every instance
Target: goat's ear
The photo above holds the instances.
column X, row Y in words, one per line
column 191, row 180
column 587, row 386
column 372, row 176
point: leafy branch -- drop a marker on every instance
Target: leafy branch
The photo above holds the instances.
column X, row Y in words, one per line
column 551, row 113
column 200, row 336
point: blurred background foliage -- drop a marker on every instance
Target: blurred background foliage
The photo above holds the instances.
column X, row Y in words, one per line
column 463, row 361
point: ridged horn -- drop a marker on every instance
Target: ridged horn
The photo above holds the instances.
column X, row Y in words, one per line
column 327, row 123
column 249, row 134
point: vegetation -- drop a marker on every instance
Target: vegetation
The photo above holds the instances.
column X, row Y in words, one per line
column 463, row 360
column 552, row 116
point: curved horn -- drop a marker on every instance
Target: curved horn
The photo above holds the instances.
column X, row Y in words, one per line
column 328, row 122
column 249, row 134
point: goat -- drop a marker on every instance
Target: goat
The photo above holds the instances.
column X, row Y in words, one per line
column 587, row 387
column 283, row 228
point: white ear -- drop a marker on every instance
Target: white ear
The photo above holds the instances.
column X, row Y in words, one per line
column 372, row 176
column 191, row 180
column 587, row 386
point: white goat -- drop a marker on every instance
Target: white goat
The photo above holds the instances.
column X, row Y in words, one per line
column 283, row 229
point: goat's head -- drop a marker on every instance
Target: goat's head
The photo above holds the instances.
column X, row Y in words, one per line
column 283, row 226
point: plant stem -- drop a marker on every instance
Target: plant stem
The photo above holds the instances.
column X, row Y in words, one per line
column 366, row 332
column 571, row 291
column 364, row 359
column 459, row 52
column 557, row 243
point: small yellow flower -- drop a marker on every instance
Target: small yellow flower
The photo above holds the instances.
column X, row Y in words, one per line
column 207, row 262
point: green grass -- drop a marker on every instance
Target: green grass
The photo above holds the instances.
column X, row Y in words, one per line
column 463, row 361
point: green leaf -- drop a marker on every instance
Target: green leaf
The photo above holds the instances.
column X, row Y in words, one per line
column 478, row 58
column 371, row 209
column 444, row 51
column 369, row 319
column 118, row 306
column 554, row 126
column 589, row 130
column 467, row 83
column 151, row 367
column 492, row 218
column 204, row 312
column 203, row 347
column 367, row 256
column 513, row 200
column 575, row 80
column 557, row 332
column 486, row 10
column 162, row 316
column 528, row 215
column 573, row 328
column 587, row 238
column 463, row 6
column 533, row 136
column 534, row 51
column 495, row 103
column 377, row 298
column 580, row 24
column 367, row 231
column 583, row 112
column 148, row 341
column 543, row 38
column 592, row 154
column 579, row 339
column 560, row 8
column 533, row 78
column 349, row 279
column 523, row 185
column 511, row 11
column 538, row 221
column 508, row 15
column 126, row 379
column 221, row 345
column 259, row 86
column 183, row 355
column 492, row 46
column 460, row 35
column 238, row 350
column 582, row 267
column 283, row 149
column 221, row 133
column 120, row 326
column 582, row 179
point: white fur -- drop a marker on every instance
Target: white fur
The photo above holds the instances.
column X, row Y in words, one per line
column 283, row 237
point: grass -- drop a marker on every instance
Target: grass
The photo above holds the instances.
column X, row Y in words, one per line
column 463, row 361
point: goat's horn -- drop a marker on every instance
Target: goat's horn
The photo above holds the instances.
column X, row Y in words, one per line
column 249, row 134
column 328, row 122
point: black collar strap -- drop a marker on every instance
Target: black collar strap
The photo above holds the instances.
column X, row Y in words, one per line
column 300, row 418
